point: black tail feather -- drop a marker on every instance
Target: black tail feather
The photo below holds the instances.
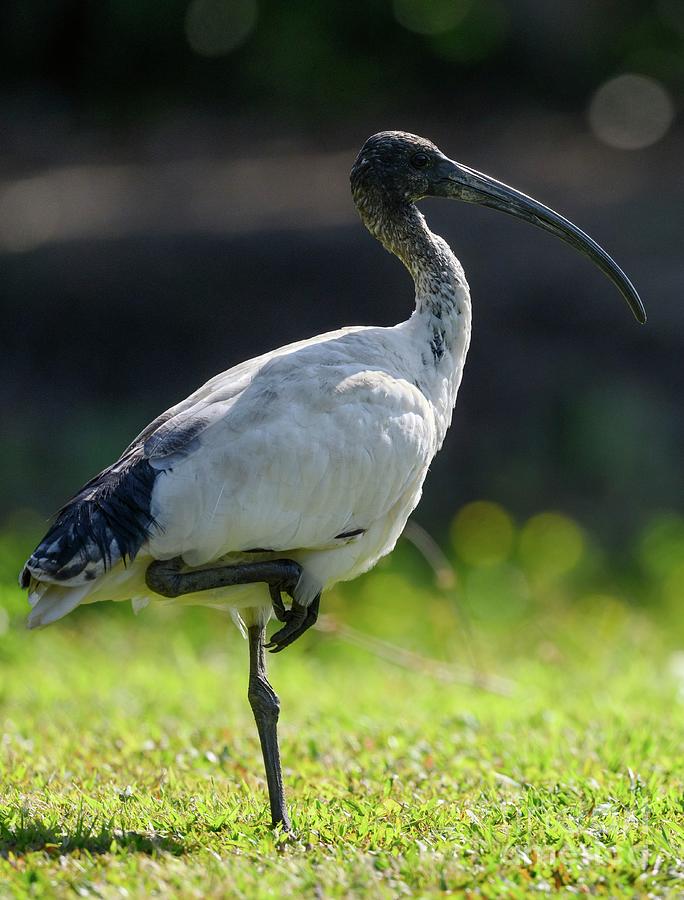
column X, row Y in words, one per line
column 107, row 520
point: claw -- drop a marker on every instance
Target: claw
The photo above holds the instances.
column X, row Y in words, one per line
column 295, row 616
column 299, row 619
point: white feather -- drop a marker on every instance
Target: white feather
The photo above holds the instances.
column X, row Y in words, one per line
column 289, row 451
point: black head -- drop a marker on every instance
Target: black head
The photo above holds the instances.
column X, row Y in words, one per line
column 397, row 165
column 394, row 169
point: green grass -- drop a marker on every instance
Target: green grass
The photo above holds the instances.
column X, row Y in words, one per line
column 130, row 766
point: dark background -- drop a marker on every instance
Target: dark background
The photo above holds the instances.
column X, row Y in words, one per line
column 174, row 198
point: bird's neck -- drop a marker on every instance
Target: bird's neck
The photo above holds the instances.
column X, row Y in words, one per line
column 443, row 311
column 439, row 329
column 441, row 289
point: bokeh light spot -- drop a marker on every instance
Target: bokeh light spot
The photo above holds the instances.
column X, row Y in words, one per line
column 550, row 546
column 430, row 16
column 477, row 37
column 673, row 588
column 483, row 533
column 216, row 27
column 661, row 546
column 497, row 593
column 631, row 112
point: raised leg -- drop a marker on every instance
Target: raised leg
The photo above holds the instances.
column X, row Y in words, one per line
column 266, row 708
column 170, row 578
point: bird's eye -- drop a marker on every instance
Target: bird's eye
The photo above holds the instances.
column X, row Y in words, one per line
column 420, row 160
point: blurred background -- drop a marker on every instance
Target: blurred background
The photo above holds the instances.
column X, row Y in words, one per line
column 174, row 198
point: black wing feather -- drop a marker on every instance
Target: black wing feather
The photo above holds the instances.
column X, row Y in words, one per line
column 107, row 520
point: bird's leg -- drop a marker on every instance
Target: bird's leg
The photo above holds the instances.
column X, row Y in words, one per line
column 166, row 577
column 266, row 708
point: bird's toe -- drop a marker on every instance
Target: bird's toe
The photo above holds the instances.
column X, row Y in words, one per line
column 300, row 619
column 294, row 619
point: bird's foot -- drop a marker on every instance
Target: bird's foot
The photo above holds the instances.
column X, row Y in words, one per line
column 298, row 618
column 166, row 577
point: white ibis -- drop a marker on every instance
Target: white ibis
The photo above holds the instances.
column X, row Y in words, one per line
column 298, row 469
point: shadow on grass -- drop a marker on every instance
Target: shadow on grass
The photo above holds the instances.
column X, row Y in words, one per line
column 20, row 834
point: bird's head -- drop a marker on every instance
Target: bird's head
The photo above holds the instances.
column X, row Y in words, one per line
column 397, row 166
column 394, row 168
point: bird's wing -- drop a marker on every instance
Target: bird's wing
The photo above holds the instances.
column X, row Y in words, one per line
column 111, row 518
column 175, row 430
column 319, row 443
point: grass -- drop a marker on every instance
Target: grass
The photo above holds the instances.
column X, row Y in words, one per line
column 130, row 766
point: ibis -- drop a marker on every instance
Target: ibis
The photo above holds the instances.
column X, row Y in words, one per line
column 298, row 469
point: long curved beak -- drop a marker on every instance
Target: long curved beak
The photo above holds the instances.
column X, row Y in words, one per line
column 463, row 183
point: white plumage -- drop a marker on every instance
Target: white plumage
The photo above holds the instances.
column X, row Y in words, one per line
column 285, row 453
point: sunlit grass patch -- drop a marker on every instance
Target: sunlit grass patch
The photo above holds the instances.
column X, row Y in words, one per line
column 524, row 736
